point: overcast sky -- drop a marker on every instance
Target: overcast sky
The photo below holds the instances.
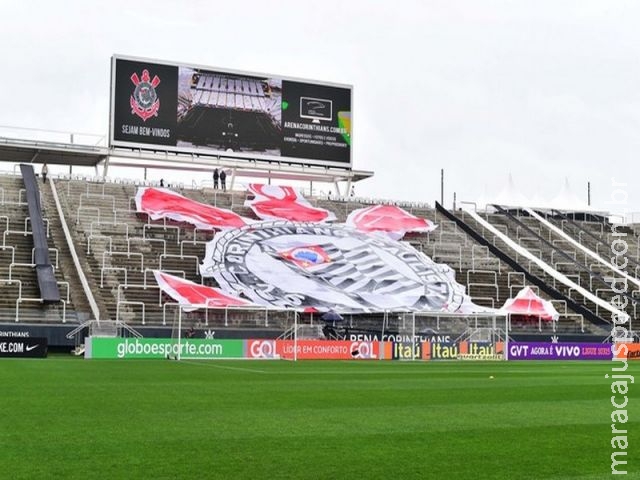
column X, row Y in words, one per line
column 543, row 90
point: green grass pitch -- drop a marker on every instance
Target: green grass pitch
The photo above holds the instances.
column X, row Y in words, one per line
column 67, row 418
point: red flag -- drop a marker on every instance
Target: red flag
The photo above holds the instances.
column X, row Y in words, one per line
column 162, row 203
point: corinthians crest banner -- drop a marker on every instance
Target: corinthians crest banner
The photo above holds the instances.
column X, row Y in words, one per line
column 389, row 220
column 274, row 202
column 194, row 295
column 164, row 203
column 301, row 265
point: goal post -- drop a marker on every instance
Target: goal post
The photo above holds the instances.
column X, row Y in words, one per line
column 288, row 340
column 258, row 333
column 202, row 332
column 486, row 338
column 430, row 336
column 176, row 335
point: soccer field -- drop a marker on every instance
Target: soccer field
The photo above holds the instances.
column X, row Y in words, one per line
column 67, row 418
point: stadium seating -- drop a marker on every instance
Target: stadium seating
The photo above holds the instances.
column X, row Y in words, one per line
column 118, row 248
column 564, row 257
column 557, row 252
column 20, row 299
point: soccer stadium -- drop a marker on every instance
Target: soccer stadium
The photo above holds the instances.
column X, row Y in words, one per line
column 264, row 321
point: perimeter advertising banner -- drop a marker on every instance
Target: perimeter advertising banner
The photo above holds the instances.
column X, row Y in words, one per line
column 559, row 351
column 100, row 347
column 630, row 351
column 192, row 109
column 330, row 349
column 34, row 347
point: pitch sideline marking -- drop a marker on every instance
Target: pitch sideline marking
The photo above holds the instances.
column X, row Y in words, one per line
column 224, row 367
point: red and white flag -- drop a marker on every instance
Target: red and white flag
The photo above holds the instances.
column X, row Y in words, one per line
column 388, row 219
column 163, row 203
column 273, row 202
column 186, row 292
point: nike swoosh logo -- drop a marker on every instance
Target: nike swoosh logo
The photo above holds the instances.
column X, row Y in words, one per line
column 28, row 349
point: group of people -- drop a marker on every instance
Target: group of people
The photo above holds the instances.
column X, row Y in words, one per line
column 219, row 179
column 220, row 176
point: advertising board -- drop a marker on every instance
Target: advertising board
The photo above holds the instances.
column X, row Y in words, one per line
column 559, row 351
column 203, row 348
column 200, row 348
column 630, row 351
column 13, row 346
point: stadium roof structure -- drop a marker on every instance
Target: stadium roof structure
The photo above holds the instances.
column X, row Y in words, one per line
column 21, row 150
column 61, row 152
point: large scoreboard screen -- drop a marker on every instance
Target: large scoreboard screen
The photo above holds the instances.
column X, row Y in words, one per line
column 192, row 109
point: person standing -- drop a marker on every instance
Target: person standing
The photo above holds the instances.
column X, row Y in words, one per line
column 216, row 175
column 223, row 180
column 45, row 170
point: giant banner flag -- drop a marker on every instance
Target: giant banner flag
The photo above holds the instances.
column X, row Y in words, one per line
column 273, row 202
column 302, row 265
column 164, row 203
column 194, row 296
column 388, row 219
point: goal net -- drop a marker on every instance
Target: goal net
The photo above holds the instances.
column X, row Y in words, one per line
column 420, row 336
column 258, row 333
column 484, row 338
column 199, row 332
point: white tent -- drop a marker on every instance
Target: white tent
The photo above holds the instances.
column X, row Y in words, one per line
column 567, row 200
column 482, row 201
column 538, row 202
column 510, row 196
column 528, row 304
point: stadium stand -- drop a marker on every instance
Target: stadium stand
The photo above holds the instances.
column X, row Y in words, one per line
column 118, row 248
column 596, row 234
column 561, row 255
column 123, row 247
column 21, row 299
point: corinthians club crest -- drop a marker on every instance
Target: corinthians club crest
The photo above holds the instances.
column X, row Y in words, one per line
column 144, row 100
column 299, row 265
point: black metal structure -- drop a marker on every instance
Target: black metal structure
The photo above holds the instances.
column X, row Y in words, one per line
column 49, row 291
